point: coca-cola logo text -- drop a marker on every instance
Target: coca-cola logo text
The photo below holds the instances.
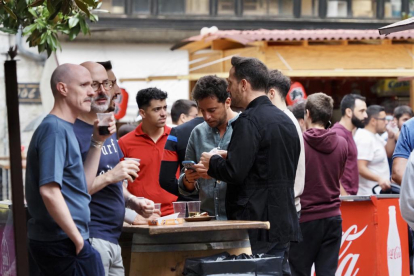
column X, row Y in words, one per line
column 349, row 260
column 394, row 253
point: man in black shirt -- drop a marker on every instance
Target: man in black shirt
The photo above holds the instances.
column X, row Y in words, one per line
column 261, row 161
column 174, row 155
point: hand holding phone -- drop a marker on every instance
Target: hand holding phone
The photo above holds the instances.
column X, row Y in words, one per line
column 189, row 165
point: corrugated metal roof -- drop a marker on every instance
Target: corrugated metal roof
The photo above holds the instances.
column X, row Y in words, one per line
column 248, row 36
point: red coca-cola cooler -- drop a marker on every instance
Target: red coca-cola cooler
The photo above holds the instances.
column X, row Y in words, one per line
column 374, row 237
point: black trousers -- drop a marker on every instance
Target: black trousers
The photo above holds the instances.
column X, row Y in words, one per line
column 59, row 258
column 320, row 245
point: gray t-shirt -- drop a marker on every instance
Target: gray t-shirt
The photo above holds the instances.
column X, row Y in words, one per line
column 54, row 157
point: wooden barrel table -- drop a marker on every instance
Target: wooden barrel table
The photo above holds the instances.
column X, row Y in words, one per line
column 162, row 250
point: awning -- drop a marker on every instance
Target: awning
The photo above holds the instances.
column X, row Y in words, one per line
column 399, row 26
column 391, row 73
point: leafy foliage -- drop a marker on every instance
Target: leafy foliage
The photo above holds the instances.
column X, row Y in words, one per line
column 43, row 20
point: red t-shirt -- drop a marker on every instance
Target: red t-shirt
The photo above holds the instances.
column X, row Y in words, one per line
column 137, row 144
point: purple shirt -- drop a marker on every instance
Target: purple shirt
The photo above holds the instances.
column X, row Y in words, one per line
column 349, row 179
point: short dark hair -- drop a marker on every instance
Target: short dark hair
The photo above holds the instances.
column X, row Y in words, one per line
column 252, row 70
column 106, row 64
column 181, row 107
column 320, row 108
column 145, row 96
column 401, row 110
column 298, row 109
column 348, row 101
column 279, row 82
column 210, row 86
column 372, row 111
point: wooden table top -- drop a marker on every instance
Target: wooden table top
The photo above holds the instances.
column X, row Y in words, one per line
column 197, row 226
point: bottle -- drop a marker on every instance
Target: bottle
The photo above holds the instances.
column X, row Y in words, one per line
column 394, row 257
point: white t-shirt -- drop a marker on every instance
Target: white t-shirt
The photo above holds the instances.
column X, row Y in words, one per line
column 300, row 171
column 371, row 147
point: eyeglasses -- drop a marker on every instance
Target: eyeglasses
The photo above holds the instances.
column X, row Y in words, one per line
column 106, row 84
column 113, row 82
column 382, row 119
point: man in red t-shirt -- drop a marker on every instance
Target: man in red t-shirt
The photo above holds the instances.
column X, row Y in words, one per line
column 147, row 143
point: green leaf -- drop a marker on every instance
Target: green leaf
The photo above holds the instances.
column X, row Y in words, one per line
column 83, row 25
column 82, row 6
column 36, row 3
column 90, row 3
column 93, row 18
column 29, row 29
column 57, row 10
column 43, row 38
column 10, row 12
column 8, row 30
column 32, row 12
column 73, row 21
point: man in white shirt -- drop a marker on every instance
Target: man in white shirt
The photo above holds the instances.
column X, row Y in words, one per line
column 278, row 88
column 372, row 152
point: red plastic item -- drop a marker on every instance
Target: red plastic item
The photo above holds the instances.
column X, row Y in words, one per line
column 296, row 93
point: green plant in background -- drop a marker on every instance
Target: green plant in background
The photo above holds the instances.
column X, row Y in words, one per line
column 42, row 20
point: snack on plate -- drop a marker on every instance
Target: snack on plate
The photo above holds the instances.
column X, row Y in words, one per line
column 203, row 214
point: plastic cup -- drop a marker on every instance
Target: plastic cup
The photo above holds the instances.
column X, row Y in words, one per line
column 157, row 206
column 180, row 207
column 193, row 208
column 103, row 124
column 135, row 159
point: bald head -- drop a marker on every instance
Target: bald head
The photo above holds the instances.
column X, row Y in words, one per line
column 101, row 85
column 66, row 73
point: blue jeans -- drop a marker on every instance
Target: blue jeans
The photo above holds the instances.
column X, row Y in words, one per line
column 59, row 258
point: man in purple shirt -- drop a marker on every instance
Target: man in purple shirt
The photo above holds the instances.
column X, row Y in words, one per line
column 354, row 113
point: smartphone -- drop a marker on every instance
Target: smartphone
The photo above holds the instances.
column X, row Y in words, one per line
column 189, row 165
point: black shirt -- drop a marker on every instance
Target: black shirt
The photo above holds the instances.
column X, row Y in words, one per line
column 174, row 154
column 260, row 171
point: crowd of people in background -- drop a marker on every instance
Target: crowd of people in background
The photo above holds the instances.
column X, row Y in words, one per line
column 255, row 158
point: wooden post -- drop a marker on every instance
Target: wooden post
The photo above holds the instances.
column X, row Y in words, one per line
column 19, row 212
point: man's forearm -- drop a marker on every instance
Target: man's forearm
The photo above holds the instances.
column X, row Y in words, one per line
column 366, row 173
column 90, row 166
column 398, row 168
column 59, row 211
column 99, row 183
column 390, row 147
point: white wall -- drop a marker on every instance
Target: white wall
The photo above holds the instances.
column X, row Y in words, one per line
column 135, row 61
column 128, row 60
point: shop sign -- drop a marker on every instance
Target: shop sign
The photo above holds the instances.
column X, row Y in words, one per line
column 29, row 93
column 393, row 87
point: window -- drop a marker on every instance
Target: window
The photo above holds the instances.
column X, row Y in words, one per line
column 225, row 7
column 364, row 8
column 183, row 6
column 392, row 8
column 337, row 8
column 114, row 6
column 141, row 6
column 268, row 7
column 310, row 8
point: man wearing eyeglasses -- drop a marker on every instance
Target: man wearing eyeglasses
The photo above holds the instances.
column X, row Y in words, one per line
column 372, row 151
column 108, row 194
column 114, row 91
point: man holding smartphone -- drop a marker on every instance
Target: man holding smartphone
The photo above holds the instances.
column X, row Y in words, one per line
column 214, row 103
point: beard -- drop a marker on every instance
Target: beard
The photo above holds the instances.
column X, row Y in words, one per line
column 97, row 107
column 357, row 122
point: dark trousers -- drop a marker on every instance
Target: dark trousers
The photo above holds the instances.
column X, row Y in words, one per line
column 59, row 258
column 320, row 245
column 275, row 249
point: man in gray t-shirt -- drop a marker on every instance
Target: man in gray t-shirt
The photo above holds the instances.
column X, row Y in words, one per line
column 56, row 184
column 214, row 103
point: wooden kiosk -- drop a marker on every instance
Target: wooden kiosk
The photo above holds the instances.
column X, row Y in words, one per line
column 303, row 54
column 162, row 250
